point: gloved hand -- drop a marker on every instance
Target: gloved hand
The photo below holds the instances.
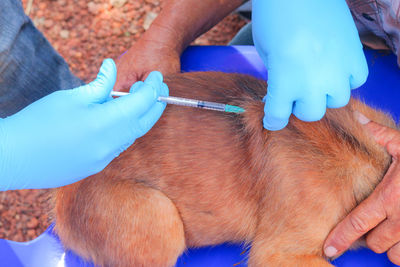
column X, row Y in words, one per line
column 69, row 135
column 313, row 55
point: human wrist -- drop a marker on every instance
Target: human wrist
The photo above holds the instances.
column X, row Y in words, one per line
column 165, row 38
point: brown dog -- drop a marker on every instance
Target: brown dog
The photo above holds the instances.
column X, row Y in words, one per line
column 203, row 178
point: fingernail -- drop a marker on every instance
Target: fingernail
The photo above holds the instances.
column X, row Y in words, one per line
column 361, row 117
column 330, row 251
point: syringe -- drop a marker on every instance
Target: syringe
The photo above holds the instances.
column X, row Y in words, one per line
column 192, row 103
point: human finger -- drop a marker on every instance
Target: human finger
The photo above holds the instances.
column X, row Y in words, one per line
column 310, row 108
column 363, row 218
column 384, row 236
column 98, row 91
column 147, row 121
column 394, row 254
column 359, row 69
column 339, row 95
column 277, row 110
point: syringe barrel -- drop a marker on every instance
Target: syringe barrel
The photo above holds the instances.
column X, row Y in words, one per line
column 178, row 101
column 211, row 105
column 192, row 103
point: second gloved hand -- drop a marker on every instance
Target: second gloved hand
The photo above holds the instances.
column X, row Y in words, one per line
column 313, row 55
column 69, row 135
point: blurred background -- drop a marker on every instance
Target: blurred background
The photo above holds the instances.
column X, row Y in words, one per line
column 84, row 33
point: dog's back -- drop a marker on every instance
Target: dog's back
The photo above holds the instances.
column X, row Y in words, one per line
column 204, row 177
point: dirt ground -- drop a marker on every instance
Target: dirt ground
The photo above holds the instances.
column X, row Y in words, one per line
column 84, row 33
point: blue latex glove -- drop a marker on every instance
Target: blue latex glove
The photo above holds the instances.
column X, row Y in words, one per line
column 69, row 135
column 313, row 55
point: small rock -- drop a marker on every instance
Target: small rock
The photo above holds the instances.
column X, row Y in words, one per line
column 38, row 21
column 18, row 237
column 78, row 54
column 117, row 31
column 74, row 34
column 32, row 223
column 58, row 16
column 64, row 34
column 154, row 2
column 62, row 2
column 150, row 16
column 31, row 233
column 102, row 33
column 12, row 213
column 42, row 5
column 40, row 13
column 48, row 23
column 117, row 3
column 133, row 29
column 93, row 7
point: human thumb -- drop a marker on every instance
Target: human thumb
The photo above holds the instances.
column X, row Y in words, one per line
column 98, row 91
column 385, row 136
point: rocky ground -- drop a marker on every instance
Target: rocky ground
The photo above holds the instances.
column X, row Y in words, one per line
column 84, row 33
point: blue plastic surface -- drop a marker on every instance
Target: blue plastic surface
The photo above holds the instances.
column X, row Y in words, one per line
column 381, row 90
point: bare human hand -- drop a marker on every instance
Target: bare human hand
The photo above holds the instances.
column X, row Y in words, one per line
column 177, row 25
column 142, row 58
column 378, row 216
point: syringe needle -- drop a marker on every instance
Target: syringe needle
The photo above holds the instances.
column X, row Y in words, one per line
column 192, row 103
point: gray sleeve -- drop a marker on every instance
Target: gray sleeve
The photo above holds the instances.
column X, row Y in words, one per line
column 380, row 18
column 29, row 66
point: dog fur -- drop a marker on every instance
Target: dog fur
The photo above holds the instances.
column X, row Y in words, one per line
column 202, row 178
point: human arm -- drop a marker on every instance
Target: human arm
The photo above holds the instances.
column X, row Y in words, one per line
column 378, row 215
column 71, row 134
column 313, row 55
column 160, row 47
